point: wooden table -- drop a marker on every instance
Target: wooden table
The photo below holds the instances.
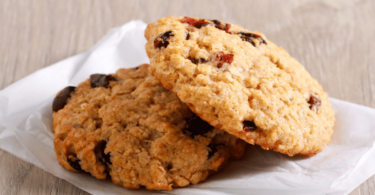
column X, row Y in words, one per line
column 333, row 39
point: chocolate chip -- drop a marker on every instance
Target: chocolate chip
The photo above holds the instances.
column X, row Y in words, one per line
column 74, row 162
column 249, row 37
column 62, row 98
column 212, row 152
column 195, row 61
column 101, row 155
column 188, row 36
column 249, row 126
column 217, row 24
column 162, row 40
column 314, row 102
column 101, row 80
column 202, row 60
column 197, row 126
column 98, row 123
column 106, row 157
column 199, row 61
column 108, row 174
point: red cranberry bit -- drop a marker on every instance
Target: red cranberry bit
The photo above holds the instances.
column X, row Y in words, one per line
column 249, row 126
column 224, row 58
column 188, row 20
column 228, row 58
column 314, row 102
column 62, row 98
column 162, row 40
column 196, row 23
column 201, row 23
column 226, row 28
column 220, row 26
column 249, row 37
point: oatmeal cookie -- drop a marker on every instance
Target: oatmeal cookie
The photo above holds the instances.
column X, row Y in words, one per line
column 129, row 127
column 240, row 82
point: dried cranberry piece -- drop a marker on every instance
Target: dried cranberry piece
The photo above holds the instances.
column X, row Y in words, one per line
column 74, row 162
column 62, row 98
column 224, row 58
column 220, row 26
column 226, row 28
column 314, row 102
column 101, row 80
column 162, row 40
column 249, row 126
column 213, row 150
column 188, row 20
column 201, row 23
column 197, row 126
column 199, row 61
column 249, row 37
column 196, row 23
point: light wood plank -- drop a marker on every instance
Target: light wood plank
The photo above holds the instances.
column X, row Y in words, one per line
column 333, row 39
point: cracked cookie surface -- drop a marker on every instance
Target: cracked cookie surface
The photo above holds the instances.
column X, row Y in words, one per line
column 242, row 83
column 129, row 127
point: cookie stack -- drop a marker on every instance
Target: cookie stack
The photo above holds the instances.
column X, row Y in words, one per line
column 210, row 88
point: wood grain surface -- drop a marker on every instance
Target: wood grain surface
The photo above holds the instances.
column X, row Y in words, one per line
column 332, row 39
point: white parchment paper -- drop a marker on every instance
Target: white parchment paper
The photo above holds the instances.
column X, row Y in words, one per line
column 25, row 131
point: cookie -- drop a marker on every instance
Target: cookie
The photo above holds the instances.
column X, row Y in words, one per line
column 240, row 82
column 129, row 127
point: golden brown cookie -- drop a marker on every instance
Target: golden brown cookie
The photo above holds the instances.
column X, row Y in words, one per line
column 242, row 83
column 128, row 125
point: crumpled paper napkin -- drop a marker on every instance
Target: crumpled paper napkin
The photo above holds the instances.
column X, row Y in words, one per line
column 26, row 132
